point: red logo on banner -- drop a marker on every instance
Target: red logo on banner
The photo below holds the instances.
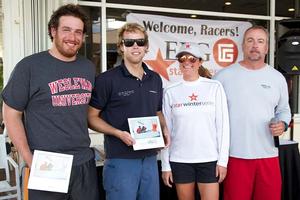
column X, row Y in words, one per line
column 225, row 52
column 160, row 65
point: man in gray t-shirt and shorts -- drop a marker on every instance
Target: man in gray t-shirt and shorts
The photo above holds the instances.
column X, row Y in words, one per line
column 46, row 100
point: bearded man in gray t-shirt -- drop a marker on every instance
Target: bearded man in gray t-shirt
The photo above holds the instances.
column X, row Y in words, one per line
column 46, row 100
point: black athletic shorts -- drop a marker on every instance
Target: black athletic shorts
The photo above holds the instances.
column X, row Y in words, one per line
column 194, row 172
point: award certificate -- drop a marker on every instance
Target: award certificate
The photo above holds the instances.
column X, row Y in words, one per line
column 50, row 171
column 147, row 132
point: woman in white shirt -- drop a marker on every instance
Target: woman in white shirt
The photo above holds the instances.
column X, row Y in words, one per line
column 197, row 117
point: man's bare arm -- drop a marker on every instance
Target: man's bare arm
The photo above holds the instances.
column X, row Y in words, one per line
column 13, row 122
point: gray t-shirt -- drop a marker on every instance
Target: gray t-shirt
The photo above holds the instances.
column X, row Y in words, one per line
column 54, row 96
column 254, row 97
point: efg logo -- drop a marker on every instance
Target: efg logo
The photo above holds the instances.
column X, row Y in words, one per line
column 225, row 52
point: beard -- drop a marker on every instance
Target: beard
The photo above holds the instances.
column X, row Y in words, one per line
column 66, row 51
column 255, row 56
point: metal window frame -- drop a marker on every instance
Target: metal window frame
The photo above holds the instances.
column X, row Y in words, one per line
column 104, row 5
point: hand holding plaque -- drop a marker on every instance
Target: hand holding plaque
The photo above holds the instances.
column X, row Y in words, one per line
column 147, row 132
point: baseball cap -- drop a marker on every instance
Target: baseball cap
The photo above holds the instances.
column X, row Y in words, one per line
column 190, row 48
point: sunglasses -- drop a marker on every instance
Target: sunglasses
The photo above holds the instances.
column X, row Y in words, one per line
column 130, row 42
column 185, row 58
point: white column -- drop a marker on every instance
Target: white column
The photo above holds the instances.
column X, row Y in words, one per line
column 103, row 36
column 25, row 29
column 272, row 33
column 13, row 42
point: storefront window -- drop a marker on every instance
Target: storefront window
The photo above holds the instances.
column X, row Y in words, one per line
column 117, row 17
column 91, row 47
column 286, row 8
column 255, row 7
column 168, row 32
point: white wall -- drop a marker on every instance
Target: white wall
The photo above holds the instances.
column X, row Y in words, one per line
column 13, row 42
column 25, row 29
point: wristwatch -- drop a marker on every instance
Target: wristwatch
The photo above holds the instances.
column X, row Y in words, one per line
column 286, row 126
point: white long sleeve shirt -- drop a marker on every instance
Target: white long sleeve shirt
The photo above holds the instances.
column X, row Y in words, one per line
column 197, row 117
column 254, row 97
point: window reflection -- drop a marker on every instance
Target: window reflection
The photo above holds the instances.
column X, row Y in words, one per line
column 117, row 17
column 255, row 7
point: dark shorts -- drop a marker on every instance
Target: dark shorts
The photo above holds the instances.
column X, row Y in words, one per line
column 83, row 185
column 194, row 172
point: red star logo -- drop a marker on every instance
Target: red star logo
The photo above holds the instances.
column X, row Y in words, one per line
column 193, row 97
column 160, row 65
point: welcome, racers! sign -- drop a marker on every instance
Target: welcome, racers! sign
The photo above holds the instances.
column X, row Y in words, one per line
column 220, row 40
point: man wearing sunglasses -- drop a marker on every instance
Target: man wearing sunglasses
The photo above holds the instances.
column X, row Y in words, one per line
column 256, row 93
column 126, row 91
